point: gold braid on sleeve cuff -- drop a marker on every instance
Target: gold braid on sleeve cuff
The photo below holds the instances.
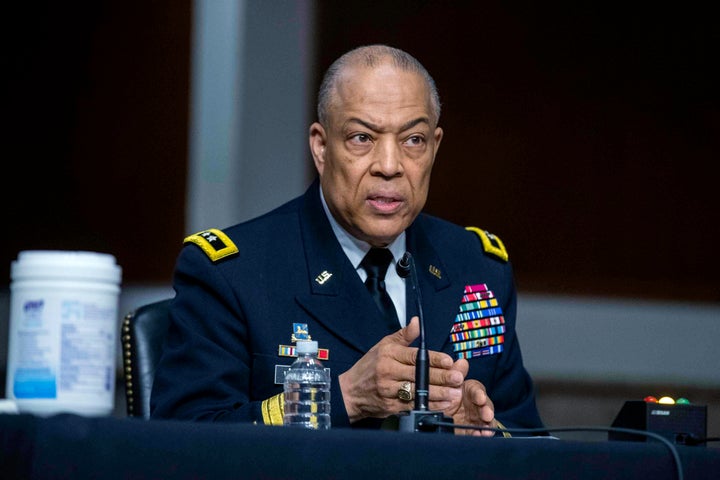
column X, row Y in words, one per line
column 503, row 427
column 273, row 410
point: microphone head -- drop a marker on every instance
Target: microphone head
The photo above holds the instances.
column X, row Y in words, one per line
column 403, row 265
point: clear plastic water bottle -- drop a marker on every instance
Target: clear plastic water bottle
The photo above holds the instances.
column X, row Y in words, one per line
column 307, row 390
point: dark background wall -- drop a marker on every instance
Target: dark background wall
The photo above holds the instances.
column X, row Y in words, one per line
column 582, row 133
column 96, row 116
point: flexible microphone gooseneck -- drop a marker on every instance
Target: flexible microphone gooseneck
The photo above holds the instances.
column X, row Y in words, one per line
column 406, row 268
column 421, row 418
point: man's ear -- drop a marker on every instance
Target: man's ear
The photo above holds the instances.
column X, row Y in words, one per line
column 318, row 141
column 438, row 138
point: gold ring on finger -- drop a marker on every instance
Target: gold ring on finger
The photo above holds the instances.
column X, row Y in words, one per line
column 405, row 393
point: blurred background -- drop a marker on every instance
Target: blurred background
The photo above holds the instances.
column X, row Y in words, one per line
column 583, row 134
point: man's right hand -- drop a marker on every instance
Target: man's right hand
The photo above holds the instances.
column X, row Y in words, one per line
column 370, row 387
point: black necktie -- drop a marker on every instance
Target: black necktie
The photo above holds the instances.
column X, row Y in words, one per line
column 376, row 263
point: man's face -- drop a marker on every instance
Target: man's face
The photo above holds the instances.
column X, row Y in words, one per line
column 375, row 154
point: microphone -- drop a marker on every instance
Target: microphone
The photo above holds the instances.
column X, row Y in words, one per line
column 420, row 419
column 406, row 268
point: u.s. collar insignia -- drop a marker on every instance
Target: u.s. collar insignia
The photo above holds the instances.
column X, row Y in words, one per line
column 435, row 271
column 214, row 243
column 323, row 277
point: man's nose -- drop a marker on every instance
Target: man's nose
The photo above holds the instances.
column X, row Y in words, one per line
column 388, row 159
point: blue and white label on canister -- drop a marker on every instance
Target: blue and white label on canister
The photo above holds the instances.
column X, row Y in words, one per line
column 63, row 323
column 33, row 376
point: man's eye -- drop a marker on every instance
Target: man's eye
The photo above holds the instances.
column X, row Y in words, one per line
column 360, row 137
column 415, row 140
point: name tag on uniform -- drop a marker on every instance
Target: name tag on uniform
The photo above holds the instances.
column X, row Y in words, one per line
column 281, row 370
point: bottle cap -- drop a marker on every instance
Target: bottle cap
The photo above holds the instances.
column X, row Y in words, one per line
column 306, row 346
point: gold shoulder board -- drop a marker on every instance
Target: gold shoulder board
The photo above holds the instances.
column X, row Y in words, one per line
column 214, row 243
column 491, row 243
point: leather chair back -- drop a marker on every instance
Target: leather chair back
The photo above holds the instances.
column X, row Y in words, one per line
column 143, row 332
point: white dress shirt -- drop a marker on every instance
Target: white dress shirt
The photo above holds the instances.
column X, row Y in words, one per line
column 356, row 250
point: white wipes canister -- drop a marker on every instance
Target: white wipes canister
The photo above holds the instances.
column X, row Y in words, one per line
column 63, row 322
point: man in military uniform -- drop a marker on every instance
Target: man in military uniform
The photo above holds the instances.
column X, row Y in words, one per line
column 249, row 291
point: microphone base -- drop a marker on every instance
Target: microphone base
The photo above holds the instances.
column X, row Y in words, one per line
column 418, row 421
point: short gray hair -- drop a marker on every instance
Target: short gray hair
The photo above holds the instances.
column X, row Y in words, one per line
column 371, row 56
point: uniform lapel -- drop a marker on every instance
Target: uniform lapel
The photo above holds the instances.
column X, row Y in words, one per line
column 338, row 298
column 440, row 295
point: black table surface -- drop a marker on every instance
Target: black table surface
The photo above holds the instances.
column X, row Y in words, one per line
column 72, row 446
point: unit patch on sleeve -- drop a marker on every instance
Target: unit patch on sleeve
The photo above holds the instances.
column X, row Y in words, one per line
column 491, row 243
column 214, row 243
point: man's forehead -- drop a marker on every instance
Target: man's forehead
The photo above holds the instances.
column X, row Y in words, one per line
column 372, row 89
column 349, row 76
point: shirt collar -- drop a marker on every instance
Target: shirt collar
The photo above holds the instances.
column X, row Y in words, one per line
column 354, row 248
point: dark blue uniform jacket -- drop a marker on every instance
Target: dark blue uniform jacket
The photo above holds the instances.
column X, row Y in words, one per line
column 230, row 318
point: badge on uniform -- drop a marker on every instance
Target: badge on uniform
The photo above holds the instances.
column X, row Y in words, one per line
column 323, row 277
column 492, row 245
column 479, row 327
column 299, row 333
column 214, row 243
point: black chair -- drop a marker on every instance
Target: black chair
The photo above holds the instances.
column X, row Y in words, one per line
column 143, row 331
